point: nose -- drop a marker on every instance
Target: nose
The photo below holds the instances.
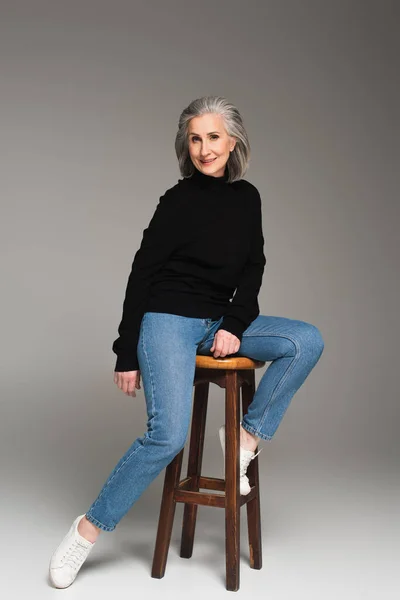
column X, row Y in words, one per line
column 204, row 151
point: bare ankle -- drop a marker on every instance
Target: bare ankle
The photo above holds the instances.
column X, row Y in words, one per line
column 248, row 440
column 88, row 530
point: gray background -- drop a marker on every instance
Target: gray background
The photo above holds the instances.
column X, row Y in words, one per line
column 90, row 98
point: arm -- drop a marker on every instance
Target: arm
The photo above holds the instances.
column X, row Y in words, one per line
column 244, row 307
column 157, row 245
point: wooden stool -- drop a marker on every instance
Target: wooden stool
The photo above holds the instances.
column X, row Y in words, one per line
column 232, row 374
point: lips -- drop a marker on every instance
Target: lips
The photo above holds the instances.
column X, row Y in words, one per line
column 208, row 162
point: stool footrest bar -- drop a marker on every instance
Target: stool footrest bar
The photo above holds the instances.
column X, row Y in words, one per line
column 206, row 499
column 208, row 483
column 184, row 493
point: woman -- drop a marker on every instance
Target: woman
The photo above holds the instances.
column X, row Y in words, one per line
column 203, row 243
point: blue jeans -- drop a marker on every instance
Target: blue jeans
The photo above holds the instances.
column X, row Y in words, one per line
column 167, row 350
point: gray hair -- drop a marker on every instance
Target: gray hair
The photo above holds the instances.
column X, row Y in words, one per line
column 239, row 158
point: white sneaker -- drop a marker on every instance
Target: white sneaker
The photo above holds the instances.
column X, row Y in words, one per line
column 245, row 457
column 69, row 556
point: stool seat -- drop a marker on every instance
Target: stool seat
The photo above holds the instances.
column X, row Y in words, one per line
column 237, row 362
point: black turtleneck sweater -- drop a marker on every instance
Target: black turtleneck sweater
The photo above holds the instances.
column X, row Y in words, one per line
column 204, row 241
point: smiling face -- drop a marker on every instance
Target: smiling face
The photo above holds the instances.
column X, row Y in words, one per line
column 209, row 144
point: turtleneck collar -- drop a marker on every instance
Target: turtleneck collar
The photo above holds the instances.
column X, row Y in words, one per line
column 206, row 181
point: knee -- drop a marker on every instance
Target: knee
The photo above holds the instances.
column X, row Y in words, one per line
column 312, row 337
column 174, row 446
column 168, row 443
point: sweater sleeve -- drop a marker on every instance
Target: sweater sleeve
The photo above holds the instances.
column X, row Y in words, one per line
column 244, row 307
column 159, row 240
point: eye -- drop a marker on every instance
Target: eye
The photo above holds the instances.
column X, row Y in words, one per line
column 214, row 136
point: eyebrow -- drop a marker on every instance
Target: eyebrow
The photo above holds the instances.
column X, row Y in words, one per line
column 193, row 133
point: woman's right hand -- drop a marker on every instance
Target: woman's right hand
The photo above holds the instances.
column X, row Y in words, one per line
column 127, row 381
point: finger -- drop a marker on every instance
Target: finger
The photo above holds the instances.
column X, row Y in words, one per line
column 131, row 386
column 215, row 348
column 230, row 349
column 219, row 348
column 230, row 346
column 235, row 347
column 225, row 348
column 125, row 385
column 119, row 380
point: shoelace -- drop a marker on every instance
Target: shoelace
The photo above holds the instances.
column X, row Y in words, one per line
column 76, row 554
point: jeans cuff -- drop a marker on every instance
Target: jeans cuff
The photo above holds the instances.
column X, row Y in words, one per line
column 98, row 524
column 252, row 430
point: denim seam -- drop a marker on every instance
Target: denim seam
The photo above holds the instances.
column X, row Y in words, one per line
column 150, row 371
column 281, row 381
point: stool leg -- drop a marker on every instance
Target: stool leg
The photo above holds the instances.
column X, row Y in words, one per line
column 232, row 481
column 194, row 465
column 253, row 506
column 167, row 513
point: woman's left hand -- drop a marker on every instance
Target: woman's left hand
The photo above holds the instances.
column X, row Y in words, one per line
column 224, row 343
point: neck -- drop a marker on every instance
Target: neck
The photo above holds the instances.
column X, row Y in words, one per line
column 205, row 180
